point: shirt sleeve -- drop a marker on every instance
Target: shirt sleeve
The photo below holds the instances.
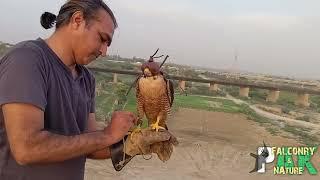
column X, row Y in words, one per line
column 23, row 78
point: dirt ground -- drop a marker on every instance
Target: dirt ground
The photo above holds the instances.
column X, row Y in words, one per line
column 213, row 145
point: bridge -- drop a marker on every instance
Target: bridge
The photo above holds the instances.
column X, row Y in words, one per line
column 274, row 88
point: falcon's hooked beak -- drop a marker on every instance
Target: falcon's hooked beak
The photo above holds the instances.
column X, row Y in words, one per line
column 147, row 72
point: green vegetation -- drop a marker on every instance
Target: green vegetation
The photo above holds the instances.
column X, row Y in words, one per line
column 304, row 118
column 121, row 65
column 201, row 89
column 315, row 102
column 4, row 47
column 302, row 135
column 232, row 90
column 258, row 95
column 273, row 130
column 218, row 105
column 287, row 99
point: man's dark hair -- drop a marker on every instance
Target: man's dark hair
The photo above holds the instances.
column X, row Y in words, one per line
column 89, row 9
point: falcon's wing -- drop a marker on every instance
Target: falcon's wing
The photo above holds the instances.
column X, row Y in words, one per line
column 170, row 91
column 168, row 101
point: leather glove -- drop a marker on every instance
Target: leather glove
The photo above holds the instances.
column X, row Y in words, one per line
column 143, row 142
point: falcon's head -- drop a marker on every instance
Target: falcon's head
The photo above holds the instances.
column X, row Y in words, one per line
column 150, row 68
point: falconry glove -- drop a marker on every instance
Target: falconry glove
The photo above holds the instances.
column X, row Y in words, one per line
column 144, row 142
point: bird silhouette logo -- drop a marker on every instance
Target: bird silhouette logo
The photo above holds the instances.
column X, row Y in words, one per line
column 260, row 158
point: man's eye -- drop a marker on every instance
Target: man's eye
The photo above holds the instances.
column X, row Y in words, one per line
column 101, row 38
column 104, row 41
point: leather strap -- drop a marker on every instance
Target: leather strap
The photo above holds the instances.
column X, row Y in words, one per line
column 117, row 153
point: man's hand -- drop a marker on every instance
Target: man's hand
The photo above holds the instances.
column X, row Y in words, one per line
column 121, row 122
column 118, row 128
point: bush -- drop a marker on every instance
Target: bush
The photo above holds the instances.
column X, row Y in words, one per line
column 204, row 90
column 232, row 90
column 285, row 110
column 258, row 95
column 304, row 118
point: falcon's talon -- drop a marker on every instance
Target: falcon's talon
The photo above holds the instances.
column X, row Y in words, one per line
column 156, row 127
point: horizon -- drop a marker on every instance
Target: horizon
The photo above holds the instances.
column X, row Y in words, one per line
column 267, row 37
column 211, row 69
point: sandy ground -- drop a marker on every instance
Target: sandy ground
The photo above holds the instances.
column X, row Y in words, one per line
column 213, row 145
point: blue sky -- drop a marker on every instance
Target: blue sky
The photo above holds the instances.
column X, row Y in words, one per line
column 271, row 36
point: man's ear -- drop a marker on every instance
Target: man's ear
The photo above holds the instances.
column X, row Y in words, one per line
column 77, row 20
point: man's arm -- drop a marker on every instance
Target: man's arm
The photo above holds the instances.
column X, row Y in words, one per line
column 92, row 127
column 30, row 144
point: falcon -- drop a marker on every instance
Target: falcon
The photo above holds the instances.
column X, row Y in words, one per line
column 155, row 95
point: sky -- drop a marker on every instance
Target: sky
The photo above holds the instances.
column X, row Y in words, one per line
column 279, row 37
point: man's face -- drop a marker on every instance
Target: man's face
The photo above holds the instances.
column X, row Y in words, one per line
column 92, row 39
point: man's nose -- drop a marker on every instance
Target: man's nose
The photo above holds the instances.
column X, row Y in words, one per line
column 103, row 50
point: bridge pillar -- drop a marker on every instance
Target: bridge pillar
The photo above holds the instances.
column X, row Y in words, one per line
column 115, row 78
column 244, row 91
column 182, row 85
column 213, row 87
column 303, row 100
column 273, row 96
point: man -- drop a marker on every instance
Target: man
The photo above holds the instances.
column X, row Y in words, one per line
column 47, row 120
